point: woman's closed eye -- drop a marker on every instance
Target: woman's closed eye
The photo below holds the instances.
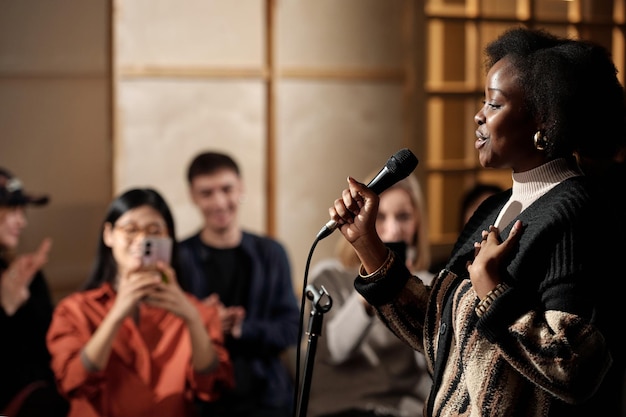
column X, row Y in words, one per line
column 491, row 106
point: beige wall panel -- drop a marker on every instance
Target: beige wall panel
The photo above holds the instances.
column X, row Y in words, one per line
column 164, row 123
column 55, row 138
column 60, row 35
column 322, row 33
column 191, row 32
column 325, row 132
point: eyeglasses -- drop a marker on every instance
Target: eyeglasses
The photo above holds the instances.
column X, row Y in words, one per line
column 131, row 230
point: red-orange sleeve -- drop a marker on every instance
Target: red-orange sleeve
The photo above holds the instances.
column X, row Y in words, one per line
column 210, row 385
column 69, row 331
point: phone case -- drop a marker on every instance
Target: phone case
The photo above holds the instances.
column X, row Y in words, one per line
column 156, row 249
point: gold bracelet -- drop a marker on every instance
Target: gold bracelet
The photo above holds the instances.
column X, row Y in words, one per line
column 491, row 296
column 382, row 270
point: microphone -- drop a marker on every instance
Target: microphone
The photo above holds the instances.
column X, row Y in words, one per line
column 398, row 167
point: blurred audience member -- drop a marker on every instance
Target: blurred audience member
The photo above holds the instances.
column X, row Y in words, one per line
column 248, row 277
column 474, row 197
column 26, row 381
column 361, row 368
column 132, row 343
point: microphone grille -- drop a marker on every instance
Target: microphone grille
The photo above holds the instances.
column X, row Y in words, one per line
column 402, row 162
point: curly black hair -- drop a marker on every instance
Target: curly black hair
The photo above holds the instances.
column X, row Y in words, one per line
column 570, row 87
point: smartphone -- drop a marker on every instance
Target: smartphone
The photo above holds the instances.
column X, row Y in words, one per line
column 155, row 249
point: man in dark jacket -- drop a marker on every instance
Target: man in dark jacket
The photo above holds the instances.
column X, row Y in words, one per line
column 248, row 277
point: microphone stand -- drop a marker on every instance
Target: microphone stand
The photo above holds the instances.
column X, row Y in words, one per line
column 313, row 331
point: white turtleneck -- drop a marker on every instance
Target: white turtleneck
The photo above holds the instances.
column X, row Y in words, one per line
column 528, row 186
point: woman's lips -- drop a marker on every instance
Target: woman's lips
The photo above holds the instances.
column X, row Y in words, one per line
column 480, row 140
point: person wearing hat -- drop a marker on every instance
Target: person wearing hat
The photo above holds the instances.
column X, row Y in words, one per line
column 27, row 386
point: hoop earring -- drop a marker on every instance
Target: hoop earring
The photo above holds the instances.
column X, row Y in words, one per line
column 540, row 141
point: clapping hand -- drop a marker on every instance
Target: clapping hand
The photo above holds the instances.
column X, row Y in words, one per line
column 231, row 317
column 16, row 279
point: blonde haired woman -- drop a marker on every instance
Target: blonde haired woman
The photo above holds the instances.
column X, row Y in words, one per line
column 361, row 368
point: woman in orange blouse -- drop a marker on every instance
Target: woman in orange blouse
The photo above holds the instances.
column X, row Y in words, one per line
column 132, row 343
